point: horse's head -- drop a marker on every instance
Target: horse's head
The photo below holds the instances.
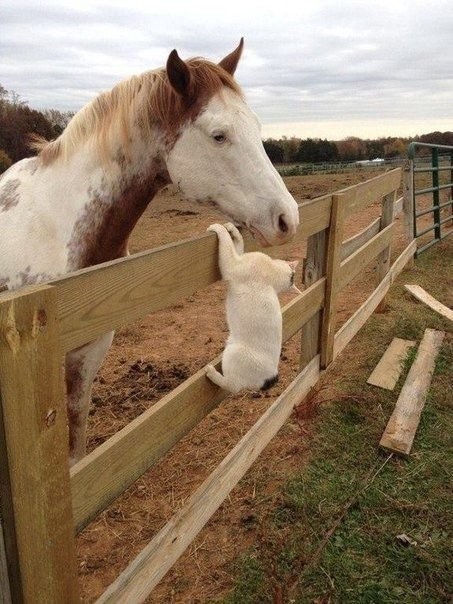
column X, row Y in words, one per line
column 216, row 154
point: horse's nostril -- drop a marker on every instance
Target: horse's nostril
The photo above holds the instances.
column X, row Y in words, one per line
column 282, row 224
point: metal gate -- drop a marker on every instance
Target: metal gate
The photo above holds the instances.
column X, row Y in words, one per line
column 436, row 161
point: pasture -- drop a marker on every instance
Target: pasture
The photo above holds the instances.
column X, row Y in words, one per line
column 151, row 357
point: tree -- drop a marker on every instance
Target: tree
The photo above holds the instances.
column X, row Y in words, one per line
column 58, row 119
column 351, row 149
column 316, row 151
column 290, row 147
column 17, row 122
column 274, row 151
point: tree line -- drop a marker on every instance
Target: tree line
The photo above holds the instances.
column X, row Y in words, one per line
column 315, row 150
column 18, row 121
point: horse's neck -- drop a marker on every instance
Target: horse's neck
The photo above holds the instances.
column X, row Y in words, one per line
column 116, row 196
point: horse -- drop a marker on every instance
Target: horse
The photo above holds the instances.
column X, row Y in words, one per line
column 76, row 202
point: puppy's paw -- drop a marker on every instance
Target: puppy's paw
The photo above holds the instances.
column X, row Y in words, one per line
column 233, row 231
column 214, row 228
column 210, row 371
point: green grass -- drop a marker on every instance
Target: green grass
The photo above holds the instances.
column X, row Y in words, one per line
column 355, row 493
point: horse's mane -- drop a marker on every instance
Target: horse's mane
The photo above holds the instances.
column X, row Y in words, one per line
column 149, row 98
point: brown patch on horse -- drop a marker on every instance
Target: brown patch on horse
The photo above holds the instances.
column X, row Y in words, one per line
column 102, row 231
column 9, row 194
column 28, row 278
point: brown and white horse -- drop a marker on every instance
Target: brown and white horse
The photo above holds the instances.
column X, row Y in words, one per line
column 76, row 203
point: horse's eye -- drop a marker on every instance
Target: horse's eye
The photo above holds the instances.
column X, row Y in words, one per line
column 219, row 138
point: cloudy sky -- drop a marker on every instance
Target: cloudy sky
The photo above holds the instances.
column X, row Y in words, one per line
column 324, row 68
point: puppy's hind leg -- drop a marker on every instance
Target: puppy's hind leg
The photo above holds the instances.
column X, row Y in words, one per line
column 220, row 380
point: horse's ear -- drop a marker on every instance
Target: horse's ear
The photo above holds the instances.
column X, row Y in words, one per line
column 230, row 62
column 179, row 74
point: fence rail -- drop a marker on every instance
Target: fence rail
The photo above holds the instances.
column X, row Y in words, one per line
column 39, row 324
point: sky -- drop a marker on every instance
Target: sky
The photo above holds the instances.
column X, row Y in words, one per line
column 318, row 68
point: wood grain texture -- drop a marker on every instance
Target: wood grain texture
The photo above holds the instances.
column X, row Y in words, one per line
column 383, row 259
column 388, row 370
column 403, row 423
column 335, row 238
column 142, row 575
column 35, row 494
column 423, row 296
column 314, row 269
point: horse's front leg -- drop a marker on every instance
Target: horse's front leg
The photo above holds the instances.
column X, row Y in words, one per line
column 82, row 365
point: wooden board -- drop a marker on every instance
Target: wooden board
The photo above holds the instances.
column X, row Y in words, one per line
column 332, row 278
column 358, row 197
column 357, row 261
column 140, row 577
column 314, row 269
column 423, row 296
column 34, row 475
column 388, row 370
column 383, row 259
column 403, row 423
column 352, row 244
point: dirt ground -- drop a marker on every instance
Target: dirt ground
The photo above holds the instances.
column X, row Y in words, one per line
column 151, row 357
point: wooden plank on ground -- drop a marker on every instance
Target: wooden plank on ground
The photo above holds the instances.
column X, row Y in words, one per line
column 388, row 370
column 403, row 423
column 106, row 472
column 34, row 475
column 332, row 279
column 423, row 296
column 142, row 575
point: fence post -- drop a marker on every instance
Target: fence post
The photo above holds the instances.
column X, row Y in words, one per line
column 34, row 473
column 383, row 260
column 409, row 205
column 436, row 194
column 333, row 261
column 314, row 269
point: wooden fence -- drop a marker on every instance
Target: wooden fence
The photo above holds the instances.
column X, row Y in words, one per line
column 42, row 502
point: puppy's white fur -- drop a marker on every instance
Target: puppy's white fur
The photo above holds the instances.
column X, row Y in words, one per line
column 252, row 351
